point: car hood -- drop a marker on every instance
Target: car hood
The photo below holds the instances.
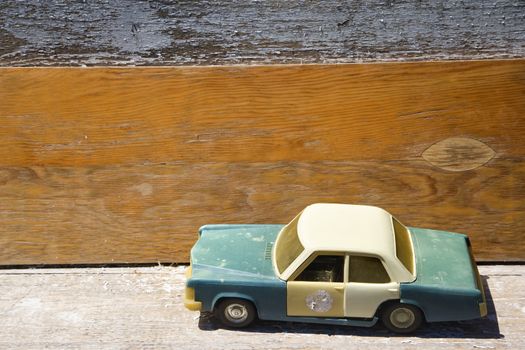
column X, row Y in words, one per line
column 226, row 252
column 443, row 259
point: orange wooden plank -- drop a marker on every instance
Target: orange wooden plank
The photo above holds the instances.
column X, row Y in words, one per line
column 101, row 116
column 124, row 164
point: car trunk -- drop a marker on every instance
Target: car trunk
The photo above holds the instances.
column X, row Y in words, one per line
column 443, row 259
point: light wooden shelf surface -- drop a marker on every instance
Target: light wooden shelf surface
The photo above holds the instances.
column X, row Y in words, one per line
column 122, row 308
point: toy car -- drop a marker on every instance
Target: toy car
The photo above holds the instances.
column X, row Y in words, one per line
column 335, row 264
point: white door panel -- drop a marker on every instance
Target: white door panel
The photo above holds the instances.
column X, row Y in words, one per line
column 363, row 299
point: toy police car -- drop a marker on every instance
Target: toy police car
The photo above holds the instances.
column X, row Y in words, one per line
column 335, row 264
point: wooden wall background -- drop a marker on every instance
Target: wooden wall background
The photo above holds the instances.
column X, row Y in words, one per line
column 102, row 165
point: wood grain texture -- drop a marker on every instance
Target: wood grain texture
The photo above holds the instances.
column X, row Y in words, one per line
column 142, row 308
column 70, row 117
column 164, row 32
column 123, row 165
column 150, row 214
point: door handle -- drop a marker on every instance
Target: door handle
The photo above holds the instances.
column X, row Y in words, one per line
column 339, row 287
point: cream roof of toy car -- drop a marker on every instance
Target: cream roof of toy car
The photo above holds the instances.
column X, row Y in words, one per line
column 346, row 227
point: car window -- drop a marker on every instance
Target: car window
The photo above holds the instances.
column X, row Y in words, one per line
column 287, row 246
column 404, row 251
column 365, row 269
column 324, row 268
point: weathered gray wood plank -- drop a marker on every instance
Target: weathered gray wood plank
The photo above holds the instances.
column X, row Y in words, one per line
column 59, row 32
column 119, row 308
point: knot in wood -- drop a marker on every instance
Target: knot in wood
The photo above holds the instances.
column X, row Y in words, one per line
column 458, row 154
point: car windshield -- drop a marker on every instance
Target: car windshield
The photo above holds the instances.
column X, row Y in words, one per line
column 404, row 250
column 287, row 246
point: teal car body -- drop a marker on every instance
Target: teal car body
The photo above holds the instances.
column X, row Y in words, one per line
column 234, row 261
column 448, row 286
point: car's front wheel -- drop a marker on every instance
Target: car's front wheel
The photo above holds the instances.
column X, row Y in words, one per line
column 235, row 313
column 402, row 318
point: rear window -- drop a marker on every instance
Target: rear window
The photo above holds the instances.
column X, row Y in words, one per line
column 287, row 247
column 404, row 250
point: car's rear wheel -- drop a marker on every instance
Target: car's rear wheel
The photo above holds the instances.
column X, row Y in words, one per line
column 235, row 313
column 402, row 318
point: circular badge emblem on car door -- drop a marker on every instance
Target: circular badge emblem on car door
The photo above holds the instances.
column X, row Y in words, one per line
column 319, row 301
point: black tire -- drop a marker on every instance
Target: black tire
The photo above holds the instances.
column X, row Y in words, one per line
column 402, row 318
column 235, row 313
